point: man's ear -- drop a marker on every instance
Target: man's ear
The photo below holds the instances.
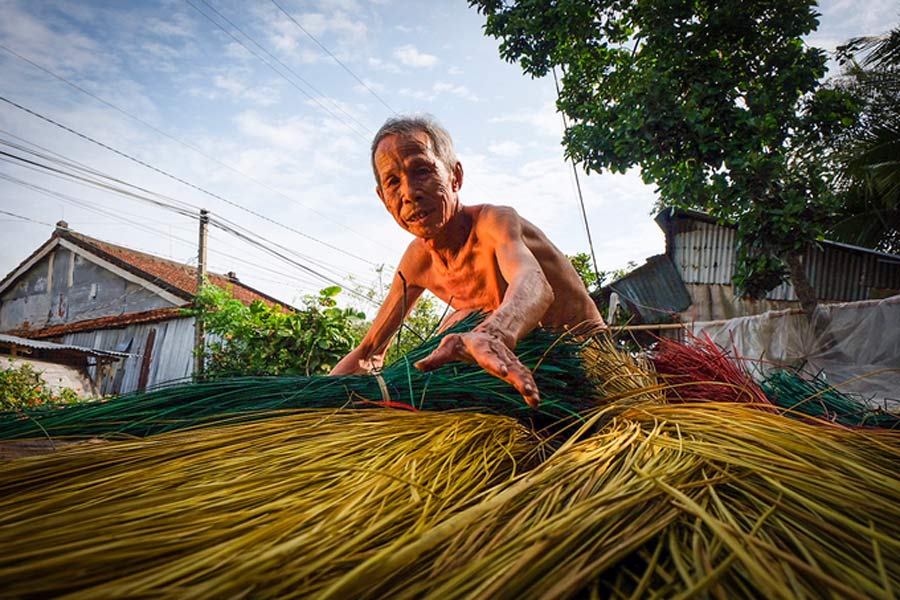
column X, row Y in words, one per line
column 457, row 180
column 380, row 193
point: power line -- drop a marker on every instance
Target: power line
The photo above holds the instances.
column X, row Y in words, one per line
column 280, row 62
column 587, row 227
column 268, row 64
column 118, row 217
column 182, row 181
column 189, row 214
column 225, row 227
column 24, row 218
column 336, row 59
column 179, row 141
column 60, row 173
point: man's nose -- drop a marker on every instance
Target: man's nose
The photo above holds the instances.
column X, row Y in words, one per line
column 408, row 191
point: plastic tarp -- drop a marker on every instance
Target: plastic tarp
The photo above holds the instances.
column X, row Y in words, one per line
column 854, row 345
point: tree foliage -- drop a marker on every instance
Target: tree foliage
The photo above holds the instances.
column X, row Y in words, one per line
column 717, row 101
column 420, row 325
column 869, row 173
column 262, row 340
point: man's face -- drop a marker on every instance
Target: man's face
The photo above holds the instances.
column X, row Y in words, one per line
column 416, row 187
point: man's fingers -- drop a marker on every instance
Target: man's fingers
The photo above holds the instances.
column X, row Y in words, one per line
column 447, row 351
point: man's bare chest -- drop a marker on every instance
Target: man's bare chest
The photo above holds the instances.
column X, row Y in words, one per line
column 475, row 282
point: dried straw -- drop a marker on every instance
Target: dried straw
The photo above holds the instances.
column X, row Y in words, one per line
column 271, row 508
column 670, row 501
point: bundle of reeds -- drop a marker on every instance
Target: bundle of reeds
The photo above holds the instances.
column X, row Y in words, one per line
column 699, row 369
column 277, row 507
column 555, row 360
column 670, row 501
column 812, row 394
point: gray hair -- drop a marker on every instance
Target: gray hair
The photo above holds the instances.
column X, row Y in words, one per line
column 405, row 125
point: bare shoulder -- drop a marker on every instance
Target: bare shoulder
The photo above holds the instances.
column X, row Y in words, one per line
column 496, row 221
column 415, row 261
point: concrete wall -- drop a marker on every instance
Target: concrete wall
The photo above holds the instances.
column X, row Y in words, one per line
column 64, row 287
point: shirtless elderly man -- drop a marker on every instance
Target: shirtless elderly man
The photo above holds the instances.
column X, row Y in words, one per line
column 472, row 257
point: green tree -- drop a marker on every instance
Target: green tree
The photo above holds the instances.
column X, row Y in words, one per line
column 262, row 340
column 717, row 101
column 421, row 324
column 869, row 173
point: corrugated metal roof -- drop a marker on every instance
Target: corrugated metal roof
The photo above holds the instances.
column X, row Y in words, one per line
column 654, row 290
column 703, row 251
column 116, row 321
column 50, row 346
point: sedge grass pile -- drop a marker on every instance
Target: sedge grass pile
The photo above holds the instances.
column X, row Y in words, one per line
column 670, row 501
column 272, row 508
column 647, row 499
column 554, row 359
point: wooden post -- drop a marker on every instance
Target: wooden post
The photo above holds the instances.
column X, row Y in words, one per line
column 199, row 333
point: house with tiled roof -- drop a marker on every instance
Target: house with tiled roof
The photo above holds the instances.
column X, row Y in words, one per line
column 84, row 292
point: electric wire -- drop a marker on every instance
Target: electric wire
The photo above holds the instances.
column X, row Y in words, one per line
column 587, row 227
column 119, row 216
column 187, row 145
column 64, row 161
column 226, row 227
column 23, row 217
column 336, row 59
column 283, row 65
column 268, row 64
column 184, row 182
column 246, row 233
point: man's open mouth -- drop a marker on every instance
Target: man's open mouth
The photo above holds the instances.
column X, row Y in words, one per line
column 417, row 216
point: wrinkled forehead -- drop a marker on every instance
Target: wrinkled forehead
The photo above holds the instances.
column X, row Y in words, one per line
column 400, row 147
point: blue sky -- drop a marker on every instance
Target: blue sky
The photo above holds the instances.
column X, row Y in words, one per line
column 292, row 149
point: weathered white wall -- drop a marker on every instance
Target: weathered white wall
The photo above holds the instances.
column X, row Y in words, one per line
column 65, row 288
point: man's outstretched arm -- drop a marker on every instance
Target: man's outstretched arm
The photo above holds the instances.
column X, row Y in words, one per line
column 370, row 352
column 526, row 300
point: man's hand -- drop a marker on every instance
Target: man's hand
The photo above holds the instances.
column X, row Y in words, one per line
column 489, row 352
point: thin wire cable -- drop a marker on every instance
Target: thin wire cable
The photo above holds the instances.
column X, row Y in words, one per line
column 227, row 228
column 188, row 214
column 24, row 218
column 182, row 181
column 286, row 67
column 183, row 143
column 193, row 209
column 587, row 227
column 268, row 64
column 86, row 205
column 336, row 59
column 34, row 165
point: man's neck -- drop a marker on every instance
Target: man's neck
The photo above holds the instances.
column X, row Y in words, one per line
column 454, row 235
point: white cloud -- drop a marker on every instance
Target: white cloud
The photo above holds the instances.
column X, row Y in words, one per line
column 439, row 89
column 377, row 63
column 505, row 148
column 454, row 71
column 176, row 25
column 292, row 134
column 371, row 85
column 410, row 56
column 544, row 120
column 236, row 89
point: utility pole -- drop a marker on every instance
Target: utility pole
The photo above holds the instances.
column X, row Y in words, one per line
column 199, row 333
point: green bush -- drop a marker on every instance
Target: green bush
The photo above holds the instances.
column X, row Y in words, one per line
column 262, row 340
column 25, row 386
